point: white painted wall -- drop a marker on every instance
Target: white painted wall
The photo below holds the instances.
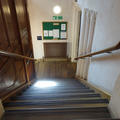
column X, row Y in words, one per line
column 104, row 69
column 42, row 10
column 115, row 100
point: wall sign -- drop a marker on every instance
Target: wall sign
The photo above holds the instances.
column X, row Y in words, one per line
column 57, row 17
column 39, row 37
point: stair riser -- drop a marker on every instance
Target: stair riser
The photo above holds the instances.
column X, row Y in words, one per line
column 57, row 92
column 44, row 103
column 55, row 97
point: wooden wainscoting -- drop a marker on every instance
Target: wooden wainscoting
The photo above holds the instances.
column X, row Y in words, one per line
column 15, row 37
column 55, row 69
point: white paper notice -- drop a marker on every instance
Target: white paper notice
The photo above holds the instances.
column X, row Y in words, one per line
column 56, row 33
column 45, row 33
column 50, row 33
column 63, row 26
column 63, row 35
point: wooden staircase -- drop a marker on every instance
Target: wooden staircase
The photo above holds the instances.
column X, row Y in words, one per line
column 68, row 100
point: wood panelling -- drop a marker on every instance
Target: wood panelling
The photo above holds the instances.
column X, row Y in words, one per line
column 12, row 75
column 25, row 34
column 14, row 37
column 10, row 26
column 55, row 50
column 31, row 70
column 20, row 6
column 55, row 69
column 4, row 42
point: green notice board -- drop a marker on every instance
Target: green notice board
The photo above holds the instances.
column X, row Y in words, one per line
column 54, row 30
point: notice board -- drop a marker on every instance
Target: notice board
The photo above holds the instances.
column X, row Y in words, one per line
column 54, row 30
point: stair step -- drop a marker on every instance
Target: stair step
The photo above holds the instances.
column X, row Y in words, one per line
column 52, row 96
column 58, row 116
column 53, row 102
column 55, row 94
column 60, row 91
column 66, row 84
column 53, row 108
column 53, row 99
column 65, row 109
column 56, row 88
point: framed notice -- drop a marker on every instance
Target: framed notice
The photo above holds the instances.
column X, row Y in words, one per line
column 54, row 30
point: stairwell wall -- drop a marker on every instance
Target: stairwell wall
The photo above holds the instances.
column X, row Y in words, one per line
column 42, row 10
column 104, row 69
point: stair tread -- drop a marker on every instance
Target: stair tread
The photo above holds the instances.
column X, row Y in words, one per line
column 60, row 94
column 56, row 97
column 53, row 102
column 53, row 99
column 77, row 91
column 59, row 116
column 67, row 106
column 57, row 89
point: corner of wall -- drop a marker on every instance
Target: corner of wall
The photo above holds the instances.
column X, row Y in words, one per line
column 114, row 105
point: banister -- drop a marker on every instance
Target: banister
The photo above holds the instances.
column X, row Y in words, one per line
column 9, row 54
column 107, row 50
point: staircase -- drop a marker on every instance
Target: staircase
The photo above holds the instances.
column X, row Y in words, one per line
column 68, row 100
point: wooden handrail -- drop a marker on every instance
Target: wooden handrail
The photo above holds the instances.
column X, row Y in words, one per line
column 9, row 54
column 116, row 47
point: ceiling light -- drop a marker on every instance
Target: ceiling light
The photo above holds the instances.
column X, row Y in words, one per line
column 57, row 9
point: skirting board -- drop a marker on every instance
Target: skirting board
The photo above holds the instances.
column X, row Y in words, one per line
column 98, row 90
column 1, row 110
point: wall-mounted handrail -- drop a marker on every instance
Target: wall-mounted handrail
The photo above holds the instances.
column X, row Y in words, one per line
column 9, row 54
column 107, row 50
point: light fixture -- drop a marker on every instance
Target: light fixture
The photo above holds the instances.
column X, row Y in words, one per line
column 57, row 9
column 45, row 84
